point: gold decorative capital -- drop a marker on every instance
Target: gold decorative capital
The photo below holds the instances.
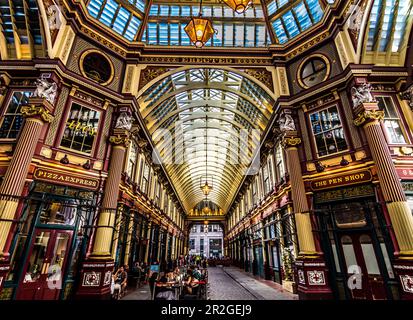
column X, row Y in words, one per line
column 288, row 142
column 119, row 140
column 367, row 116
column 31, row 111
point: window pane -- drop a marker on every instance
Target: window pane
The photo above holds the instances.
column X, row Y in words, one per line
column 13, row 120
column 81, row 129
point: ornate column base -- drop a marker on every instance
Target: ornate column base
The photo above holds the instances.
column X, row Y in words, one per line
column 312, row 279
column 404, row 273
column 95, row 280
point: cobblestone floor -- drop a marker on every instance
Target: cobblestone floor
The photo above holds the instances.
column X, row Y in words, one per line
column 223, row 287
column 231, row 283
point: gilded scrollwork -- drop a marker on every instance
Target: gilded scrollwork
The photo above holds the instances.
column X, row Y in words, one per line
column 119, row 140
column 32, row 111
column 291, row 142
column 368, row 115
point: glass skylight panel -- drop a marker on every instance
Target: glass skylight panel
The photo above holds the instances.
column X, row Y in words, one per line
column 164, row 10
column 315, row 9
column 154, row 10
column 207, row 11
column 401, row 20
column 239, row 35
column 109, row 12
column 259, row 13
column 282, row 3
column 290, row 24
column 94, row 7
column 185, row 11
column 174, row 33
column 152, row 33
column 272, row 7
column 387, row 22
column 260, row 36
column 132, row 28
column 373, row 24
column 139, row 4
column 228, row 35
column 218, row 11
column 175, row 11
column 217, row 38
column 302, row 16
column 121, row 20
column 228, row 12
column 195, row 10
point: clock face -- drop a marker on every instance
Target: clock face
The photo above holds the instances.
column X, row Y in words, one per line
column 97, row 67
column 313, row 72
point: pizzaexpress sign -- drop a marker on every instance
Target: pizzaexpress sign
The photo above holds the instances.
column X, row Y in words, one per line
column 66, row 179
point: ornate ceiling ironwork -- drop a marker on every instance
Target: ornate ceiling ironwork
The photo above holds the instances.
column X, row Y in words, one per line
column 183, row 108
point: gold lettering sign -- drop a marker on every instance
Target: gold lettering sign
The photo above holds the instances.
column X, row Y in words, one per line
column 341, row 180
column 65, row 179
column 79, row 127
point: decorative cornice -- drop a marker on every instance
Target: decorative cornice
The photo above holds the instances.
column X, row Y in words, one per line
column 32, row 111
column 369, row 115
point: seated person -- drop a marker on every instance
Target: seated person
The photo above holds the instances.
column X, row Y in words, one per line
column 191, row 282
column 197, row 274
column 120, row 278
column 170, row 275
column 164, row 292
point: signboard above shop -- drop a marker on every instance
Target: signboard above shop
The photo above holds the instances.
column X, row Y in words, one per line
column 67, row 179
column 341, row 180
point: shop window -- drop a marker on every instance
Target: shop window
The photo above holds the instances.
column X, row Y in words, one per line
column 97, row 67
column 13, row 119
column 392, row 122
column 313, row 71
column 328, row 131
column 350, row 215
column 145, row 178
column 279, row 163
column 133, row 153
column 266, row 178
column 81, row 129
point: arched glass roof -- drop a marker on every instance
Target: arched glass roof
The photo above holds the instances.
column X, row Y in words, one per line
column 387, row 29
column 206, row 125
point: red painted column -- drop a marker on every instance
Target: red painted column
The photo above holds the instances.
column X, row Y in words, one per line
column 368, row 116
column 311, row 270
column 96, row 271
column 36, row 114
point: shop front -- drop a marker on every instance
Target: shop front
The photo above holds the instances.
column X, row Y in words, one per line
column 52, row 237
column 354, row 237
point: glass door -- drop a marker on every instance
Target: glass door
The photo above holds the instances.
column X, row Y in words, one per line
column 45, row 265
column 365, row 279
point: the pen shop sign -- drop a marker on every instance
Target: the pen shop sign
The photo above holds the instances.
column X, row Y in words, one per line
column 341, row 180
column 65, row 179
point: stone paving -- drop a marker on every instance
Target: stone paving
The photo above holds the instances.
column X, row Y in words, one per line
column 229, row 283
column 223, row 287
column 259, row 288
column 142, row 293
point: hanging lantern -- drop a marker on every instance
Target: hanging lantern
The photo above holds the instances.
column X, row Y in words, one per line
column 239, row 6
column 206, row 188
column 199, row 30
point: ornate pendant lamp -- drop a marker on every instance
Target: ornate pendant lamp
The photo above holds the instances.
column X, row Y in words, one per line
column 199, row 29
column 206, row 188
column 239, row 6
